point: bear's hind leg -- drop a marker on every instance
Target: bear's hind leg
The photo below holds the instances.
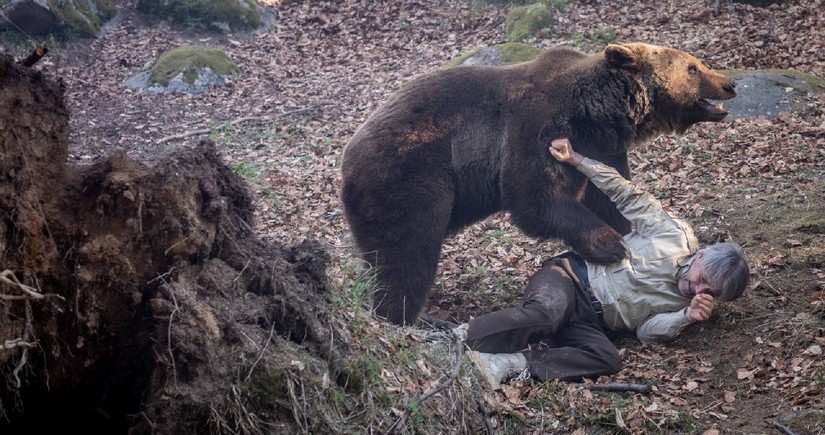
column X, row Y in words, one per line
column 401, row 242
column 405, row 274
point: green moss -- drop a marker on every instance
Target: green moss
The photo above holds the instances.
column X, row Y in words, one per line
column 85, row 16
column 511, row 52
column 514, row 52
column 188, row 60
column 460, row 59
column 238, row 15
column 267, row 389
column 816, row 83
column 524, row 22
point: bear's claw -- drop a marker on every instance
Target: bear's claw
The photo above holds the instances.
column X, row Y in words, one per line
column 604, row 246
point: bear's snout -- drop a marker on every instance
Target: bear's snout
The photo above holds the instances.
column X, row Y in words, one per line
column 730, row 86
column 719, row 87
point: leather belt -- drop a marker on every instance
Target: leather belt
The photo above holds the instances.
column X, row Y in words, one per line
column 579, row 267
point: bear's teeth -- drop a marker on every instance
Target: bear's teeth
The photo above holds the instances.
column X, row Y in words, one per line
column 720, row 106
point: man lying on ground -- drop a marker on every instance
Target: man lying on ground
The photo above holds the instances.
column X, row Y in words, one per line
column 559, row 330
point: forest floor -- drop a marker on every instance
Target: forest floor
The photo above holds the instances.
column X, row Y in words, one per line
column 311, row 79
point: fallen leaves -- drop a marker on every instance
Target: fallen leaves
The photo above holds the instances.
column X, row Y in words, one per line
column 346, row 57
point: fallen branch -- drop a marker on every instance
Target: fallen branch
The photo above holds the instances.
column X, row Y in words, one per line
column 636, row 388
column 485, row 413
column 36, row 55
column 435, row 322
column 232, row 123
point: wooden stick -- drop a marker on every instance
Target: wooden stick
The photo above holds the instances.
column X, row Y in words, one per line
column 435, row 322
column 485, row 413
column 36, row 55
column 231, row 123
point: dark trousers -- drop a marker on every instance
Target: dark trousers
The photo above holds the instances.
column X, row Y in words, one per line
column 557, row 321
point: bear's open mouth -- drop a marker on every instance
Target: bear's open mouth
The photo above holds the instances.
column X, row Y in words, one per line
column 715, row 112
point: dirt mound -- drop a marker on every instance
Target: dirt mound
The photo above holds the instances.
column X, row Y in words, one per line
column 127, row 286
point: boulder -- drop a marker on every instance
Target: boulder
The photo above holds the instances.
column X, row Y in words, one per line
column 188, row 68
column 525, row 22
column 219, row 15
column 501, row 54
column 39, row 17
column 767, row 93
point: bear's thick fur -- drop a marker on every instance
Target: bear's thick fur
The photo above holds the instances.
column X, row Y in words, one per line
column 456, row 145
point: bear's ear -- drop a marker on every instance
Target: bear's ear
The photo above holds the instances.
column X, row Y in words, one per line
column 620, row 56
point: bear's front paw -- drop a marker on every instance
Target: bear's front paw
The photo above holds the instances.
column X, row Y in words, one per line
column 601, row 246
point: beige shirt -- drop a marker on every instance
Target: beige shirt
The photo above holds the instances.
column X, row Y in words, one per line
column 640, row 294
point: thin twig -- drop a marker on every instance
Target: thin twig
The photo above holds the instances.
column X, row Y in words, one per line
column 232, row 123
column 459, row 358
column 206, row 130
column 169, row 331
column 263, row 351
column 161, row 277
column 24, row 355
column 299, row 417
column 242, row 270
column 29, row 293
column 711, row 406
column 435, row 322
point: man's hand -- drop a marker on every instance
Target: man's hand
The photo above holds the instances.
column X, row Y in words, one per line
column 700, row 307
column 563, row 152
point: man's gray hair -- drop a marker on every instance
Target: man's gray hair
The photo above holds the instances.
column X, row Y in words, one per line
column 726, row 269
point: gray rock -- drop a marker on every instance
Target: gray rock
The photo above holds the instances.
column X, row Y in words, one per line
column 767, row 93
column 485, row 56
column 32, row 16
column 221, row 15
column 206, row 78
column 39, row 17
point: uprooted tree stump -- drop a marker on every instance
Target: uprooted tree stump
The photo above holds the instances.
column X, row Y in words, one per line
column 162, row 310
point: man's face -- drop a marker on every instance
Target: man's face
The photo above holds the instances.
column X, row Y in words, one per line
column 694, row 281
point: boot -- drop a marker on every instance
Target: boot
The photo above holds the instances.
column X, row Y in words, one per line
column 495, row 368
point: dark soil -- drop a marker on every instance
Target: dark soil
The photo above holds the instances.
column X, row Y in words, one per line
column 151, row 281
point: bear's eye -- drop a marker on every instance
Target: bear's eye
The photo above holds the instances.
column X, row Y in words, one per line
column 692, row 69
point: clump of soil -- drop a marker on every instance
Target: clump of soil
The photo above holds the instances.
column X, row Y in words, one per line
column 156, row 307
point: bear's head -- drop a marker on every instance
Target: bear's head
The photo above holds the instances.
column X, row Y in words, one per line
column 678, row 85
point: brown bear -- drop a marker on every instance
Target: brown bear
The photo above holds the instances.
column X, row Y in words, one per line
column 454, row 146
